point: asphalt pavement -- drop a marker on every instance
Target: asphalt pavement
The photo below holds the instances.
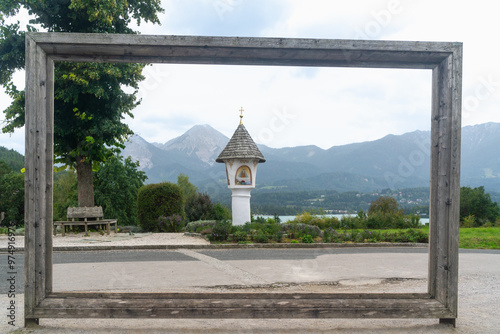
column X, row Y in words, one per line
column 329, row 269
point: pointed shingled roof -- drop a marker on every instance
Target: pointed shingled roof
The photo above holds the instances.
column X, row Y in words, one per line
column 240, row 146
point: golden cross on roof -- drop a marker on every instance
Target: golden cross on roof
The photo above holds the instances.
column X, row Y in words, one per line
column 241, row 115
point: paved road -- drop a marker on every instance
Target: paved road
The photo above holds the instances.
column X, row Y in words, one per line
column 353, row 270
column 233, row 257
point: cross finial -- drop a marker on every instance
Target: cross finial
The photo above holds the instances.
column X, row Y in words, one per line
column 241, row 115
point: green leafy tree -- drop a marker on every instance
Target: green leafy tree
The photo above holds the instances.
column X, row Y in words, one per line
column 4, row 168
column 199, row 207
column 188, row 189
column 11, row 195
column 222, row 212
column 117, row 183
column 14, row 159
column 385, row 205
column 475, row 202
column 89, row 103
column 65, row 193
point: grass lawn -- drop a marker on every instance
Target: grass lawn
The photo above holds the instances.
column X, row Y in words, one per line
column 477, row 237
column 480, row 238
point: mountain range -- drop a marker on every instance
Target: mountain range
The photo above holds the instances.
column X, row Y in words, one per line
column 394, row 161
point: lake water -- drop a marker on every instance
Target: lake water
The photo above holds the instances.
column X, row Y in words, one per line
column 284, row 219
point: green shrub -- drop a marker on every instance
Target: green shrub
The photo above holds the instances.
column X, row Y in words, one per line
column 173, row 223
column 278, row 236
column 239, row 236
column 156, row 200
column 198, row 226
column 330, row 235
column 220, row 231
column 221, row 212
column 261, row 237
column 199, row 207
column 298, row 230
column 307, row 239
column 321, row 222
column 468, row 222
column 348, row 222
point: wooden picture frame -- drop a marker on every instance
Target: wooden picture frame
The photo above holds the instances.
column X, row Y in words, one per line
column 442, row 58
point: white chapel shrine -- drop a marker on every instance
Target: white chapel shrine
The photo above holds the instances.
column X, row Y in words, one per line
column 241, row 156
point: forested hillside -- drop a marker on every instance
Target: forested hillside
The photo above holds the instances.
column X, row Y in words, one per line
column 14, row 159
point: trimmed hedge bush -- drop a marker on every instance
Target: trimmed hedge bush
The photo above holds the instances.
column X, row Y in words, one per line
column 157, row 200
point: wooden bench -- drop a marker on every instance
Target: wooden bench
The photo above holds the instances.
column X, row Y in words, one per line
column 89, row 215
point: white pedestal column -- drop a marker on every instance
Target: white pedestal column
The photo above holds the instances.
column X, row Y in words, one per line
column 241, row 206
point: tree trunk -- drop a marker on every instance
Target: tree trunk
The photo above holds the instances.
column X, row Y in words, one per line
column 85, row 182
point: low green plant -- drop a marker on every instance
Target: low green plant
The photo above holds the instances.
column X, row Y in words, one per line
column 298, row 230
column 307, row 239
column 278, row 236
column 220, row 231
column 468, row 222
column 173, row 223
column 261, row 237
column 239, row 236
column 199, row 225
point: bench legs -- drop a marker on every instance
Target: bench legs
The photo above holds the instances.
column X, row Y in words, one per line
column 108, row 227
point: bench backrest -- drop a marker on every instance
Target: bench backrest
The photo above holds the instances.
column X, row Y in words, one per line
column 85, row 212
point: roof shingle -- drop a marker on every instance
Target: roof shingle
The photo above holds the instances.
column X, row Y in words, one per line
column 240, row 146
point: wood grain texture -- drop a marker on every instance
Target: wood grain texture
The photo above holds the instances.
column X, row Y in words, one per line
column 445, row 181
column 239, row 305
column 243, row 50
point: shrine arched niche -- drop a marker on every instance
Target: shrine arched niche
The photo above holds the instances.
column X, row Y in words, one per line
column 243, row 176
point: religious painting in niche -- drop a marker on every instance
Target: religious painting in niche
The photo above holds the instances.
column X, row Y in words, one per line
column 243, row 176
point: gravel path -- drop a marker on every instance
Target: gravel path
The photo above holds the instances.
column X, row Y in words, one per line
column 118, row 239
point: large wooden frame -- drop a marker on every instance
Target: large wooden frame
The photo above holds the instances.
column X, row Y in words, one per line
column 445, row 61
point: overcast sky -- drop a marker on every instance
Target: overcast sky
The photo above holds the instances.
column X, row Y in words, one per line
column 291, row 106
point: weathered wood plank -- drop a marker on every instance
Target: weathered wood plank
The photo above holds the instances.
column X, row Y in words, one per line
column 40, row 181
column 243, row 51
column 38, row 166
column 454, row 215
column 104, row 40
column 49, row 175
column 433, row 192
column 63, row 303
column 445, row 182
column 236, row 295
column 85, row 212
column 239, row 313
column 29, row 177
column 53, row 307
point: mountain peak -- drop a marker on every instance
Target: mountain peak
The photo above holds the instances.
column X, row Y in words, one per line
column 201, row 140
